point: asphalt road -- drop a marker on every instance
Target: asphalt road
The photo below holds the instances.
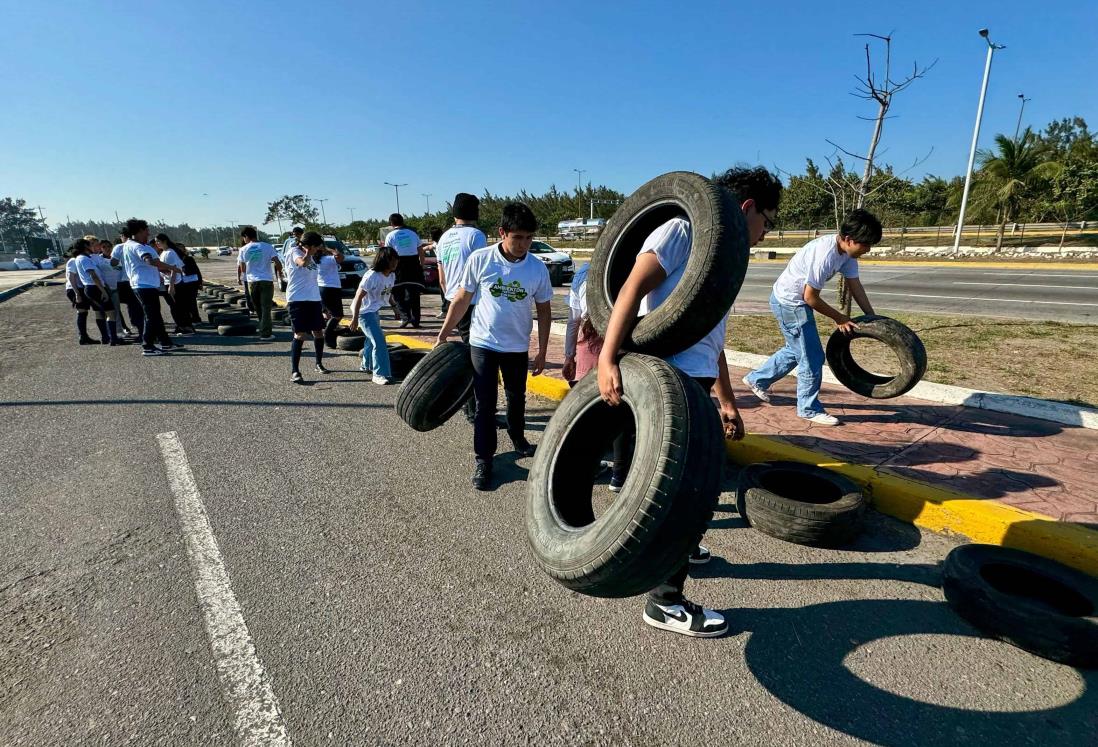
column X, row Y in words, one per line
column 389, row 603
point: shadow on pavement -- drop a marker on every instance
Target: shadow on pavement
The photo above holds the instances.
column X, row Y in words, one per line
column 923, row 574
column 951, row 418
column 989, row 483
column 800, row 656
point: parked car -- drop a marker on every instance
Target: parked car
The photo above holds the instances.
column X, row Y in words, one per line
column 430, row 270
column 47, row 264
column 24, row 264
column 224, row 251
column 559, row 264
column 351, row 269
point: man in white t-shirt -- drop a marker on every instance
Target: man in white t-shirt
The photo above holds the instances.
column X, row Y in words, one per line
column 125, row 292
column 143, row 267
column 453, row 250
column 303, row 302
column 658, row 268
column 409, row 274
column 510, row 284
column 258, row 262
column 796, row 295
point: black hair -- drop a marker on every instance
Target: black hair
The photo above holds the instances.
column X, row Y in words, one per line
column 125, row 232
column 518, row 217
column 135, row 225
column 80, row 246
column 297, row 229
column 466, row 206
column 249, row 233
column 436, row 234
column 396, row 220
column 756, row 184
column 862, row 227
column 312, row 238
column 163, row 239
column 384, row 257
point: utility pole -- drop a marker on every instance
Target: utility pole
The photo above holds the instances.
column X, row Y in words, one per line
column 1018, row 127
column 352, row 214
column 428, row 202
column 323, row 217
column 975, row 137
column 397, row 188
column 579, row 189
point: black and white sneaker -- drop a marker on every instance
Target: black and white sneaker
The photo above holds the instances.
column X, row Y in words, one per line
column 686, row 619
column 149, row 352
column 320, row 369
column 482, row 475
column 525, row 448
column 617, row 480
column 700, row 556
column 297, row 378
column 170, row 348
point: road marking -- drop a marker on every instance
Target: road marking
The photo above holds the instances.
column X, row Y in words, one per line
column 247, row 686
column 1070, row 276
column 977, row 298
column 1029, row 285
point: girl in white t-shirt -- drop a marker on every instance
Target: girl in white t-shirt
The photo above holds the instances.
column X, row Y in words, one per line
column 372, row 295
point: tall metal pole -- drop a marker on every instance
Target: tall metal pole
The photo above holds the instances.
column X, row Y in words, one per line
column 975, row 137
column 323, row 216
column 1018, row 126
column 579, row 189
column 352, row 214
column 428, row 202
column 397, row 188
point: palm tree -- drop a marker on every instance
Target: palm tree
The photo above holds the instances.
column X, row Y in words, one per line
column 1006, row 176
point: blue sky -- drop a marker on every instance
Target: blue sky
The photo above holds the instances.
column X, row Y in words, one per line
column 141, row 108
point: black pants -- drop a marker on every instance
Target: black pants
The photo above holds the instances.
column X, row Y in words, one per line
column 488, row 365
column 129, row 299
column 176, row 309
column 186, row 304
column 154, row 331
column 670, row 591
column 462, row 328
column 409, row 284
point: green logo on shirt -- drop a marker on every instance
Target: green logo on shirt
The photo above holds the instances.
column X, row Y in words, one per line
column 512, row 292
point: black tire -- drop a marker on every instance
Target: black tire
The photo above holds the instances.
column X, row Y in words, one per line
column 905, row 344
column 1028, row 601
column 403, row 360
column 800, row 503
column 713, row 273
column 437, row 387
column 218, row 318
column 350, row 342
column 214, row 306
column 237, row 329
column 668, row 498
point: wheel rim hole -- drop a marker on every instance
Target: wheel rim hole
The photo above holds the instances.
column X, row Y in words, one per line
column 799, row 486
column 624, row 253
column 1019, row 581
column 581, row 493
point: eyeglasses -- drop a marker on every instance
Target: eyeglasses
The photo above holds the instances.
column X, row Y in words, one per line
column 768, row 224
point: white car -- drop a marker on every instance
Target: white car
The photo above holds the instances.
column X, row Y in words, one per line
column 559, row 264
column 24, row 264
column 47, row 264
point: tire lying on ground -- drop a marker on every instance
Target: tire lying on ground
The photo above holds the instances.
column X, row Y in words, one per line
column 905, row 345
column 668, row 497
column 402, row 360
column 713, row 274
column 350, row 342
column 217, row 318
column 437, row 387
column 237, row 328
column 212, row 306
column 800, row 503
column 1031, row 602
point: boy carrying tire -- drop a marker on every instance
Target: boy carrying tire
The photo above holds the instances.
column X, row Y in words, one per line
column 508, row 285
column 658, row 268
column 796, row 295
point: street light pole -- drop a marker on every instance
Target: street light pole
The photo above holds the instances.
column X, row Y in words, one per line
column 579, row 188
column 428, row 202
column 323, row 216
column 975, row 137
column 397, row 188
column 1018, row 127
column 352, row 214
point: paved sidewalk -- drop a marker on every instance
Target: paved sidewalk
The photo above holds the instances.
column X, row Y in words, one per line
column 1035, row 465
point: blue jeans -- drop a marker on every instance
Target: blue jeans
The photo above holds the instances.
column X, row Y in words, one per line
column 803, row 351
column 375, row 354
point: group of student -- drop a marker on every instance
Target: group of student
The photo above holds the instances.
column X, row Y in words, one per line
column 495, row 292
column 100, row 279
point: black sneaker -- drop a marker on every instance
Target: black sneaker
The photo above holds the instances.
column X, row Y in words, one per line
column 525, row 448
column 481, row 475
column 105, row 341
column 617, row 480
column 119, row 341
column 321, row 369
column 170, row 348
column 700, row 556
column 149, row 352
column 88, row 341
column 297, row 378
column 686, row 618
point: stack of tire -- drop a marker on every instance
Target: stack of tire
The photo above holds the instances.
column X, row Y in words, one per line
column 674, row 480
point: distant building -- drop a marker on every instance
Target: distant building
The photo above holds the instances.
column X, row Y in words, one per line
column 582, row 228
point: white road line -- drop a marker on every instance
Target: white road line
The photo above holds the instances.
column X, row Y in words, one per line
column 248, row 688
column 1029, row 285
column 976, row 298
column 1071, row 276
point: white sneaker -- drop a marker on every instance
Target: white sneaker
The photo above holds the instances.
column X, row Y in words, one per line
column 379, row 380
column 686, row 618
column 822, row 418
column 363, row 369
column 758, row 391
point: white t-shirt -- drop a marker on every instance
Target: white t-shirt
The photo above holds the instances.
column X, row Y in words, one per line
column 376, row 286
column 70, row 269
column 814, row 264
column 140, row 273
column 453, row 250
column 329, row 272
column 301, row 282
column 86, row 268
column 671, row 245
column 504, row 316
column 577, row 296
column 257, row 258
column 106, row 270
column 169, row 257
column 405, row 241
column 116, row 255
